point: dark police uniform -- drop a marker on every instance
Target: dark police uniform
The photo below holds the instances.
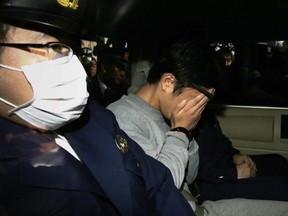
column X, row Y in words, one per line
column 114, row 177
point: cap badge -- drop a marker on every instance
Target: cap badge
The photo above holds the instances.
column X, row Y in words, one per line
column 122, row 144
column 68, row 3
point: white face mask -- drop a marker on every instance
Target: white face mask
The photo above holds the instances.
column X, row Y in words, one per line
column 60, row 93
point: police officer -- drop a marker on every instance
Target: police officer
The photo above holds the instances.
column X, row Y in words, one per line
column 59, row 156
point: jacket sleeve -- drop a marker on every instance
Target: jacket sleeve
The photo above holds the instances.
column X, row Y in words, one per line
column 215, row 152
column 210, row 172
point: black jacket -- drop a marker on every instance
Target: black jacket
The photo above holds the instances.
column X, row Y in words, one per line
column 215, row 151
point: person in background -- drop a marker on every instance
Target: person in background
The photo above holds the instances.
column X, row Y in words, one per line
column 162, row 113
column 59, row 155
column 225, row 56
column 230, row 89
column 112, row 82
column 225, row 173
column 93, row 67
column 92, row 81
column 90, row 65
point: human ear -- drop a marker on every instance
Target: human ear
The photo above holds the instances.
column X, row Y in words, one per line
column 167, row 82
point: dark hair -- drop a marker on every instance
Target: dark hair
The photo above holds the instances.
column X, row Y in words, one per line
column 190, row 61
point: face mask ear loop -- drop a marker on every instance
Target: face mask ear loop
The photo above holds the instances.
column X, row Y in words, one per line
column 7, row 102
column 10, row 68
column 20, row 107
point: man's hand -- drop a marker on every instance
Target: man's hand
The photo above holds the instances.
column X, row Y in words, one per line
column 240, row 159
column 187, row 113
column 244, row 170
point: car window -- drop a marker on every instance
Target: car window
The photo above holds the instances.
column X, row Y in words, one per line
column 252, row 74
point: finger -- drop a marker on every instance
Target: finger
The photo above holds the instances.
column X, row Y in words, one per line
column 179, row 106
column 203, row 98
column 212, row 90
column 198, row 102
column 251, row 162
column 247, row 160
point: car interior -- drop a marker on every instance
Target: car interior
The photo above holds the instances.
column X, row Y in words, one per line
column 252, row 102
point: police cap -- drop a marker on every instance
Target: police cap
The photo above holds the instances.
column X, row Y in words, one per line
column 63, row 15
column 113, row 56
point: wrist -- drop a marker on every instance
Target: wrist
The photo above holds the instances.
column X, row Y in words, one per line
column 185, row 131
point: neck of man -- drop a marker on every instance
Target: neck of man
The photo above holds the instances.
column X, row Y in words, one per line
column 150, row 94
